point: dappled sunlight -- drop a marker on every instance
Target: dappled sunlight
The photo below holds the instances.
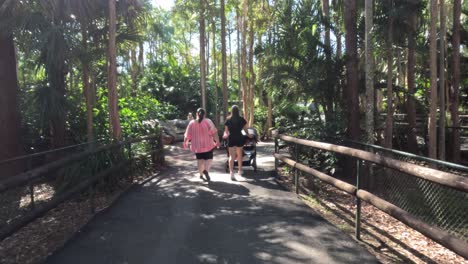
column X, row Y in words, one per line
column 42, row 192
column 179, row 218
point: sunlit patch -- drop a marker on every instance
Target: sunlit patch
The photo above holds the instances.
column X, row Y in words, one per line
column 42, row 192
column 298, row 247
column 176, row 194
column 230, row 212
column 207, row 216
column 210, row 258
column 263, row 256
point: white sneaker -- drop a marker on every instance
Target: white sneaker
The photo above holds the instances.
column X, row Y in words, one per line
column 233, row 178
column 240, row 173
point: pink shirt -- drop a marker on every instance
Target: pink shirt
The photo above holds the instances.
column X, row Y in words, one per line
column 201, row 135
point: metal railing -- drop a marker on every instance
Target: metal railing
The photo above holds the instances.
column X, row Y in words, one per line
column 430, row 201
column 72, row 175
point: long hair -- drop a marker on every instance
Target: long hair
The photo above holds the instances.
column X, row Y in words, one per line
column 200, row 114
column 235, row 115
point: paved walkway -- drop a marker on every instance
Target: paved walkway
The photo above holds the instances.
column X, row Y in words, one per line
column 177, row 218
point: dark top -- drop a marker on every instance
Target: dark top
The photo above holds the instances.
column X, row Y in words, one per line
column 235, row 128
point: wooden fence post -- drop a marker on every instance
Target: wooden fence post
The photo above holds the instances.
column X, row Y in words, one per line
column 276, row 152
column 358, row 202
column 130, row 157
column 296, row 171
column 31, row 186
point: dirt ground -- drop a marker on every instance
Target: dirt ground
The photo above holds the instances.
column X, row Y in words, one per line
column 34, row 242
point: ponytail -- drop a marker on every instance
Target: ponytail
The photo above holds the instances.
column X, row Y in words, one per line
column 235, row 113
column 200, row 114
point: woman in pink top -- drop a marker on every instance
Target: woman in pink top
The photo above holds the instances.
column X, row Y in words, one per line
column 203, row 136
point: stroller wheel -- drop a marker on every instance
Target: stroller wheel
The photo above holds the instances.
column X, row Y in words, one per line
column 254, row 165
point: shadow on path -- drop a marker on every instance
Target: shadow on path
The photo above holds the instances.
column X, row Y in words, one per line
column 181, row 219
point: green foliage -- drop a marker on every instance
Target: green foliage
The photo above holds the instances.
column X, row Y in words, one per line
column 174, row 84
column 261, row 114
column 301, row 122
column 135, row 115
column 136, row 111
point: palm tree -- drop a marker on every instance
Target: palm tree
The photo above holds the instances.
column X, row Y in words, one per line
column 9, row 112
column 202, row 54
column 455, row 80
column 432, row 147
column 389, row 119
column 351, row 69
column 443, row 32
column 328, row 52
column 114, row 119
column 223, row 60
column 243, row 58
column 410, row 68
column 369, row 72
column 87, row 88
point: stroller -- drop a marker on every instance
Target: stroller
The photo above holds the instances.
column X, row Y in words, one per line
column 249, row 153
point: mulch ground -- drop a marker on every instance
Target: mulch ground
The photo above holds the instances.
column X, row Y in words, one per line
column 34, row 242
column 384, row 236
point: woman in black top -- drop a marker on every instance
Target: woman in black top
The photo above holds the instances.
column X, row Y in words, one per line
column 233, row 133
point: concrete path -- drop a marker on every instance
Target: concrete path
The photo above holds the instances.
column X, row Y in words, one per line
column 177, row 218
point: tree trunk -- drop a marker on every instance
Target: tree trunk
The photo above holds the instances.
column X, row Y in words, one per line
column 455, row 80
column 89, row 103
column 207, row 61
column 330, row 93
column 134, row 72
column 231, row 65
column 87, row 87
column 337, row 7
column 223, row 59
column 369, row 50
column 337, row 11
column 351, row 70
column 141, row 58
column 432, row 128
column 389, row 120
column 9, row 111
column 239, row 82
column 269, row 123
column 410, row 102
column 443, row 32
column 57, row 125
column 215, row 76
column 252, row 76
column 114, row 118
column 202, row 54
column 244, row 86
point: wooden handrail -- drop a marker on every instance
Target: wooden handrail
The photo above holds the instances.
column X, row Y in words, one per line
column 25, row 177
column 344, row 186
column 413, row 156
column 440, row 177
column 32, row 215
column 38, row 154
column 435, row 233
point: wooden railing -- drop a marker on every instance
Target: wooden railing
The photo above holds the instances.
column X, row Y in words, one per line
column 46, row 173
column 439, row 177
